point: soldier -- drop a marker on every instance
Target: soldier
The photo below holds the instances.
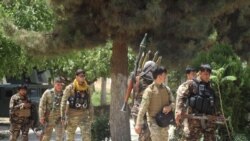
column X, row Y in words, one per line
column 156, row 98
column 190, row 73
column 49, row 111
column 77, row 100
column 144, row 79
column 196, row 97
column 20, row 114
column 173, row 131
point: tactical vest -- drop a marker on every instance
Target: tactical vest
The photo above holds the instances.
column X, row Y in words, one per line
column 202, row 98
column 80, row 100
column 56, row 100
column 158, row 99
column 22, row 112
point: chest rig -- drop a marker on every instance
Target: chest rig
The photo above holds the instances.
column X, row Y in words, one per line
column 56, row 100
column 202, row 98
column 80, row 100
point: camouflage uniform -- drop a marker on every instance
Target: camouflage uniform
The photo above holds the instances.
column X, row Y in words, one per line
column 20, row 117
column 49, row 108
column 193, row 128
column 154, row 98
column 76, row 117
column 142, row 85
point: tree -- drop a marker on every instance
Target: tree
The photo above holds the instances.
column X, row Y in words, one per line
column 88, row 23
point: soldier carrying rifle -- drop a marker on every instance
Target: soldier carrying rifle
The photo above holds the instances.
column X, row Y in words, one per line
column 196, row 106
column 140, row 78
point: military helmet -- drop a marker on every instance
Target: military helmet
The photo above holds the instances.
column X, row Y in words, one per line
column 147, row 70
column 149, row 66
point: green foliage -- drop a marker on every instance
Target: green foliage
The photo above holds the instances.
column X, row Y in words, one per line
column 227, row 66
column 12, row 58
column 96, row 98
column 100, row 129
column 33, row 15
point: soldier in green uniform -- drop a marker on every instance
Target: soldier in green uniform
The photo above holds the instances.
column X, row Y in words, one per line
column 77, row 100
column 20, row 114
column 196, row 97
column 144, row 79
column 156, row 98
column 49, row 111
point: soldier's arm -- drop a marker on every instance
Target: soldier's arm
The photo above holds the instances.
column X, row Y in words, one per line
column 171, row 99
column 143, row 107
column 181, row 97
column 42, row 105
column 13, row 105
column 66, row 95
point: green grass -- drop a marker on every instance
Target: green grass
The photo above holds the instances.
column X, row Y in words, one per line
column 96, row 98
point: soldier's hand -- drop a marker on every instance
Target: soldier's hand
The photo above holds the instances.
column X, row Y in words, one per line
column 42, row 120
column 27, row 105
column 64, row 123
column 177, row 118
column 138, row 129
column 166, row 109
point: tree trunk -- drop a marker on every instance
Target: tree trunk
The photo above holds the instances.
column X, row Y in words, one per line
column 103, row 91
column 119, row 121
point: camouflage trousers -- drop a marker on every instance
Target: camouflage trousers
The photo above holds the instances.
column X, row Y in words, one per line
column 193, row 130
column 54, row 122
column 78, row 119
column 145, row 134
column 17, row 125
column 157, row 133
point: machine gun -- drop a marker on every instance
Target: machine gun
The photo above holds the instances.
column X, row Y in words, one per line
column 135, row 71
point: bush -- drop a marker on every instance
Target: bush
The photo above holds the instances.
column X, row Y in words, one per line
column 100, row 129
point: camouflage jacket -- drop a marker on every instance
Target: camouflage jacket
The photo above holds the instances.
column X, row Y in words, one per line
column 183, row 92
column 50, row 103
column 16, row 106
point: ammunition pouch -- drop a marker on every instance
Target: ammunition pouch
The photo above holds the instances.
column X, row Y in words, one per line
column 203, row 101
column 56, row 102
column 80, row 100
column 164, row 120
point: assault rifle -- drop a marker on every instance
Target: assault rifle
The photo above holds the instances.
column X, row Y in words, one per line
column 135, row 71
column 214, row 119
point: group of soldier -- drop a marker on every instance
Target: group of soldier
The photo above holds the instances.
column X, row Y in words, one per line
column 66, row 109
column 62, row 110
column 195, row 105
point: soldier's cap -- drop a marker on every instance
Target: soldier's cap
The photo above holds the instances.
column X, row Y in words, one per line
column 79, row 71
column 22, row 86
column 190, row 69
column 205, row 67
column 59, row 80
